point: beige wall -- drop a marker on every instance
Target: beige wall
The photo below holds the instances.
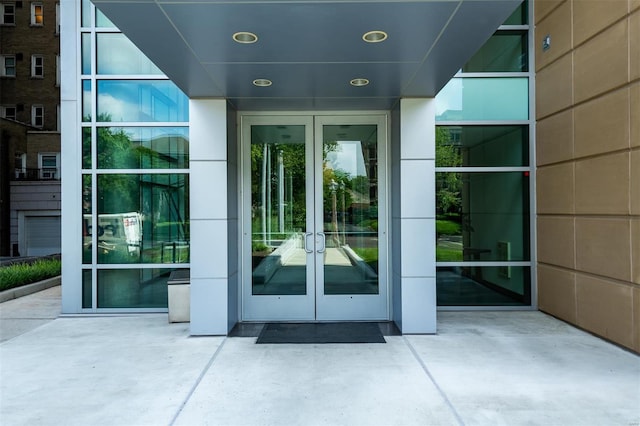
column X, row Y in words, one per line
column 588, row 164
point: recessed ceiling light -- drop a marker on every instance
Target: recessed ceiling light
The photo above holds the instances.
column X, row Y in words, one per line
column 262, row 82
column 359, row 82
column 245, row 37
column 375, row 36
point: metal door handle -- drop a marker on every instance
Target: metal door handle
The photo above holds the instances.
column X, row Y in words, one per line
column 306, row 246
column 324, row 242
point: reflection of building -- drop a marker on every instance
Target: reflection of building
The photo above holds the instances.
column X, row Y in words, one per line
column 471, row 242
column 29, row 123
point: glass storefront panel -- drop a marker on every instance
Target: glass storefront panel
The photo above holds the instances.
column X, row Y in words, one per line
column 86, row 13
column 141, row 101
column 143, row 147
column 133, row 288
column 116, row 54
column 482, row 216
column 482, row 99
column 86, row 147
column 86, row 100
column 350, row 208
column 482, row 146
column 278, row 206
column 87, row 289
column 143, row 218
column 483, row 286
column 86, row 53
column 505, row 51
column 102, row 21
column 519, row 16
column 86, row 219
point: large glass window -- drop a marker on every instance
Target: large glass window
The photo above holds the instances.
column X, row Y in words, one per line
column 141, row 100
column 143, row 147
column 483, row 285
column 143, row 218
column 86, row 100
column 133, row 288
column 493, row 98
column 505, row 51
column 87, row 210
column 86, row 147
column 117, row 55
column 482, row 146
column 87, row 289
column 482, row 216
column 102, row 21
column 86, row 53
column 519, row 16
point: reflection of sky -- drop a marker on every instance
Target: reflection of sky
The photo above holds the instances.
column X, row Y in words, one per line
column 118, row 55
column 132, row 101
column 450, row 97
column 348, row 157
column 491, row 98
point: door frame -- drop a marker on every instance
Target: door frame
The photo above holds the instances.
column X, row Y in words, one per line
column 305, row 308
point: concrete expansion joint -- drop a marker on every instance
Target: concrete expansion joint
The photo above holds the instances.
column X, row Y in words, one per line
column 433, row 380
column 197, row 382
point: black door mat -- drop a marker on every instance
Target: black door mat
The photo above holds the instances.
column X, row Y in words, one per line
column 323, row 332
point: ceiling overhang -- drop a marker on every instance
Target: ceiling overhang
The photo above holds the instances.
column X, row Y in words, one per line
column 310, row 50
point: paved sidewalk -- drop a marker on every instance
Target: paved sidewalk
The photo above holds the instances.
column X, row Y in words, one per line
column 483, row 368
column 18, row 316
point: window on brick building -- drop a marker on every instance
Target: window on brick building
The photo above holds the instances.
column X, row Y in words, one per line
column 37, row 17
column 57, row 18
column 48, row 164
column 8, row 16
column 37, row 115
column 8, row 111
column 57, row 70
column 8, row 66
column 37, row 66
column 20, row 165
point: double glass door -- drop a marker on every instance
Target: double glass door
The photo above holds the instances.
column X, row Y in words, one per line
column 314, row 218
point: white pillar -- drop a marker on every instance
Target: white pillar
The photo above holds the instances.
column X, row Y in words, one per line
column 71, row 143
column 417, row 216
column 208, row 216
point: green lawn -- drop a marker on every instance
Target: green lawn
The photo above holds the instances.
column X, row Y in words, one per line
column 23, row 273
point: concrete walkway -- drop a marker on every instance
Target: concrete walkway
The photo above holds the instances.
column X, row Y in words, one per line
column 483, row 368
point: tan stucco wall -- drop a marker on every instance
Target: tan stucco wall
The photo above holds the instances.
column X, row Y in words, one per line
column 588, row 164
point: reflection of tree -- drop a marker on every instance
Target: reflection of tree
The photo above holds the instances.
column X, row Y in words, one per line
column 448, row 185
column 266, row 184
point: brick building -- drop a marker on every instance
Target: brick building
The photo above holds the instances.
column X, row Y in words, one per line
column 30, row 128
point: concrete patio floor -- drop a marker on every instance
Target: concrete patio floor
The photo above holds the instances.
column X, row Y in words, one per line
column 483, row 368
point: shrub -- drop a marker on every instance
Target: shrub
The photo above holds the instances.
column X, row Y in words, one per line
column 20, row 274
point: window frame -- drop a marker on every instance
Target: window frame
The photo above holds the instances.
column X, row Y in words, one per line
column 3, row 16
column 43, row 171
column 35, row 115
column 35, row 16
column 37, row 71
column 3, row 111
column 57, row 18
column 3, row 70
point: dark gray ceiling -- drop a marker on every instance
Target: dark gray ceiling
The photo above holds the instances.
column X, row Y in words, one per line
column 309, row 49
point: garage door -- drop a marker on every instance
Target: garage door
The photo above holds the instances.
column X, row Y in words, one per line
column 42, row 235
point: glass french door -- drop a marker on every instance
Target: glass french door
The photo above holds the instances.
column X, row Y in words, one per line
column 314, row 233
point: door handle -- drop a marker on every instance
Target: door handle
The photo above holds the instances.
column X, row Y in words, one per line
column 306, row 246
column 324, row 242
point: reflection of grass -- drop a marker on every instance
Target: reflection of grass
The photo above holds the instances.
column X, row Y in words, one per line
column 448, row 254
column 447, row 227
column 367, row 254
